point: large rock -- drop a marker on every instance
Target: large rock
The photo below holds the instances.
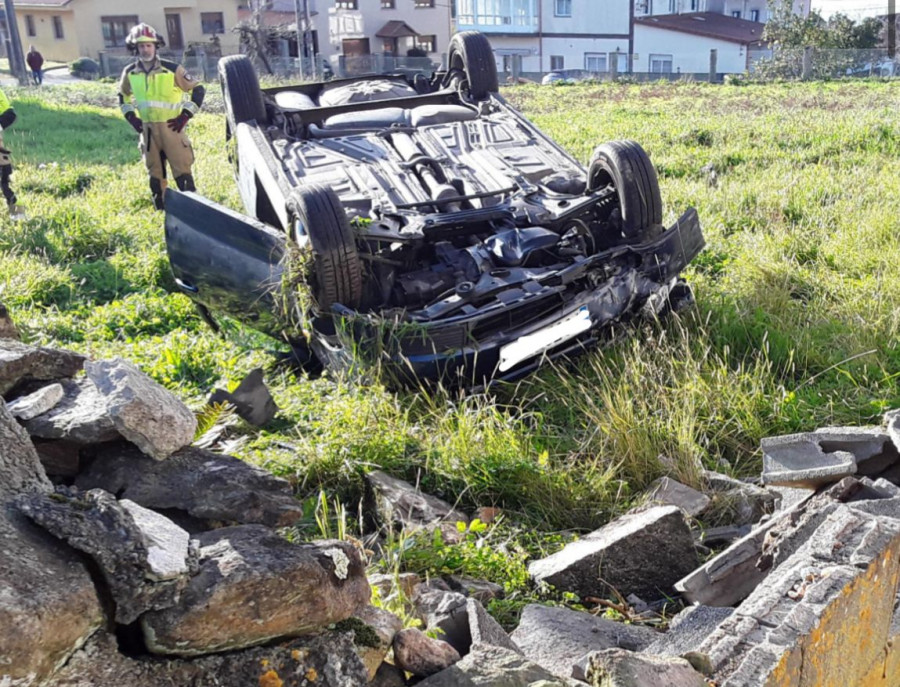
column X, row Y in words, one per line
column 254, row 586
column 20, row 362
column 642, row 553
column 95, row 523
column 326, row 660
column 620, row 668
column 143, row 411
column 20, row 468
column 400, row 504
column 688, row 630
column 81, row 416
column 374, row 630
column 37, row 402
column 417, row 653
column 48, row 604
column 445, row 612
column 556, row 638
column 493, row 666
column 205, row 485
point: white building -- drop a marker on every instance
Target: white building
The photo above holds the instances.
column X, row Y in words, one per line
column 752, row 10
column 551, row 35
column 681, row 43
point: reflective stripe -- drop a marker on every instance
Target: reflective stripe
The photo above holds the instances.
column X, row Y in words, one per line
column 126, row 108
column 158, row 104
column 191, row 107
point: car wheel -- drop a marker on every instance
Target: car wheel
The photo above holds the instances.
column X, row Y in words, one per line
column 471, row 53
column 626, row 166
column 240, row 91
column 320, row 228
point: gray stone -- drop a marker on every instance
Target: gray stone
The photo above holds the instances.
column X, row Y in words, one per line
column 667, row 492
column 253, row 587
column 885, row 508
column 20, row 362
column 444, row 611
column 688, row 630
column 326, row 660
column 621, row 668
column 641, row 553
column 482, row 590
column 388, row 675
column 888, row 489
column 871, row 446
column 7, row 326
column 417, row 653
column 400, row 504
column 168, row 546
column 95, row 523
column 892, row 424
column 798, row 460
column 483, row 629
column 251, row 399
column 48, row 604
column 209, row 486
column 143, row 411
column 82, row 416
column 385, row 626
column 556, row 638
column 36, row 403
column 790, row 497
column 492, row 666
column 20, row 468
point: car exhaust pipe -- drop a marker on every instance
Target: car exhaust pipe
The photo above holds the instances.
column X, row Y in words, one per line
column 422, row 165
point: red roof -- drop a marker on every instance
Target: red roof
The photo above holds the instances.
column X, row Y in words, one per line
column 708, row 24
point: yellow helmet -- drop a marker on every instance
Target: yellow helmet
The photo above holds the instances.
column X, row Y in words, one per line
column 143, row 33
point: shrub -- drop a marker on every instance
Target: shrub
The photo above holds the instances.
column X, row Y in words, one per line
column 84, row 67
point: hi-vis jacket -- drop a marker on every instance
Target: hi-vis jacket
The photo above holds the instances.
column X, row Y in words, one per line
column 157, row 93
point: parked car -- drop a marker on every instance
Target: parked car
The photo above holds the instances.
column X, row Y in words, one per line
column 423, row 224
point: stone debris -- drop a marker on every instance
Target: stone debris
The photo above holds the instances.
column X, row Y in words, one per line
column 622, row 668
column 643, row 553
column 37, row 402
column 142, row 411
column 21, row 363
column 417, row 653
column 667, row 492
column 374, row 635
column 251, row 399
column 81, row 416
column 488, row 665
column 400, row 504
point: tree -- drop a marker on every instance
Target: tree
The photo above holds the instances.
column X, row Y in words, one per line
column 258, row 39
column 839, row 44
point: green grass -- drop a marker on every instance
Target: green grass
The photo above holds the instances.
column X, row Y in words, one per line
column 796, row 324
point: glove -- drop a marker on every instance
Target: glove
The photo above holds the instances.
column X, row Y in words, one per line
column 135, row 122
column 178, row 123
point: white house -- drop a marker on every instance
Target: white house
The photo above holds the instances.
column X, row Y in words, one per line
column 551, row 35
column 681, row 43
column 753, row 10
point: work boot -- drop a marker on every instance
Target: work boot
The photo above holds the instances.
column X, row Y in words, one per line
column 16, row 211
column 157, row 189
column 185, row 182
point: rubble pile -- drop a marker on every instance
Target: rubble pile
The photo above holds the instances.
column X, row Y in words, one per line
column 128, row 556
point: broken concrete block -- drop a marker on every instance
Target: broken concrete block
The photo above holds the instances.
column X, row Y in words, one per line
column 492, row 665
column 400, row 504
column 143, row 411
column 444, row 611
column 82, row 416
column 621, row 668
column 485, row 630
column 688, row 630
column 735, row 501
column 823, row 616
column 892, row 424
column 798, row 460
column 871, row 446
column 37, row 402
column 251, row 399
column 641, row 553
column 20, row 362
column 667, row 492
column 556, row 638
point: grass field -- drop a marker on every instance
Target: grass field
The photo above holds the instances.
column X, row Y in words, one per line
column 796, row 324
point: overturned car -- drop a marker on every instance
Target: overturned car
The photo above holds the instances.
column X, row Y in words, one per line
column 423, row 224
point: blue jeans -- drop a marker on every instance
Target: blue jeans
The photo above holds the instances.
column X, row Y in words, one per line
column 38, row 76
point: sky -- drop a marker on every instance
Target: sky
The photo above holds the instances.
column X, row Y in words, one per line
column 852, row 8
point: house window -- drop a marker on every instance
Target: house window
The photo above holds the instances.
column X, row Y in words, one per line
column 57, row 27
column 29, row 25
column 695, row 5
column 115, row 29
column 660, row 64
column 736, row 14
column 671, row 6
column 212, row 22
column 387, row 4
column 754, row 15
column 345, row 4
column 562, row 8
column 424, row 3
column 557, row 62
column 427, row 43
column 595, row 61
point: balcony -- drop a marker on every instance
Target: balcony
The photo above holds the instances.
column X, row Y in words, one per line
column 498, row 16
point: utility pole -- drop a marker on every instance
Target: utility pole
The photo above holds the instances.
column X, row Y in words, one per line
column 16, row 56
column 892, row 28
column 304, row 42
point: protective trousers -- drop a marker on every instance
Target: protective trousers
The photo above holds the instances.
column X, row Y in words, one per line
column 6, row 171
column 160, row 144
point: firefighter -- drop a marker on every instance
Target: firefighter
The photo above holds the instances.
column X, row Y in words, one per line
column 7, row 117
column 151, row 95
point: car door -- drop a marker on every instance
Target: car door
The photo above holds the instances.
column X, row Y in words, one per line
column 226, row 261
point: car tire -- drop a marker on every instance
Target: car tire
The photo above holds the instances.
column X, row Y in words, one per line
column 626, row 166
column 240, row 91
column 470, row 52
column 320, row 225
